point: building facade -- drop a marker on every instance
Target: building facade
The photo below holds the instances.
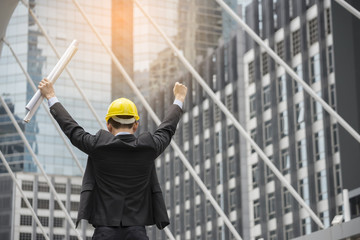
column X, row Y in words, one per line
column 16, row 219
column 293, row 130
column 91, row 67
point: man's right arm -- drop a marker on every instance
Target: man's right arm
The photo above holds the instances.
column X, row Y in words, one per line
column 77, row 135
column 166, row 130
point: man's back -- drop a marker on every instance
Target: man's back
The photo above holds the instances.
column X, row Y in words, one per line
column 122, row 168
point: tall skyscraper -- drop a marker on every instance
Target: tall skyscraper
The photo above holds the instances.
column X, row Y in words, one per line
column 91, row 68
column 293, row 130
column 122, row 45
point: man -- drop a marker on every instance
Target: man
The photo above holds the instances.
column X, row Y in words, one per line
column 120, row 191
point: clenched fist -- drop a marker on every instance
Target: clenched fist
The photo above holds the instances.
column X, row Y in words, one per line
column 46, row 89
column 180, row 91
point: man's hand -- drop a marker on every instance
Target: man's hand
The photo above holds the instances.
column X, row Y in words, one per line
column 46, row 89
column 180, row 91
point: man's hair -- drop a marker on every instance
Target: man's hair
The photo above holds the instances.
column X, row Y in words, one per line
column 118, row 125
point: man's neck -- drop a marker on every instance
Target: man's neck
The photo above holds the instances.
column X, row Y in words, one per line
column 127, row 130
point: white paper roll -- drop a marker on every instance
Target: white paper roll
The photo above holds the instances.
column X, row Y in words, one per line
column 36, row 100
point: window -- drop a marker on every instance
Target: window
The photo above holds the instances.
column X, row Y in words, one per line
column 43, row 204
column 230, row 135
column 253, row 136
column 44, row 221
column 217, row 113
column 251, row 71
column 265, row 64
column 298, row 71
column 232, row 167
column 255, row 175
column 304, row 190
column 27, row 186
column 196, row 125
column 25, row 236
column 208, row 178
column 269, row 172
column 284, row 129
column 177, row 224
column 275, row 15
column 322, row 185
column 285, row 161
column 252, row 106
column 57, row 206
column 299, row 111
column 272, row 235
column 296, row 47
column 229, row 102
column 268, row 133
column 186, row 131
column 288, row 232
column 332, row 96
column 335, row 138
column 281, row 88
column 280, row 49
column 232, row 200
column 271, row 205
column 291, row 9
column 256, row 212
column 23, row 204
column 338, row 179
column 74, row 206
column 328, row 20
column 287, row 200
column 187, row 220
column 58, row 222
column 60, row 187
column 313, row 31
column 330, row 60
column 217, row 142
column 319, row 145
column 315, row 68
column 207, row 148
column 208, row 211
column 43, row 187
column 317, row 109
column 25, row 220
column 75, row 189
column 266, row 97
column 58, row 237
column 260, row 17
column 39, row 236
column 301, row 153
column 219, row 173
column 197, row 215
column 324, row 216
column 206, row 118
column 305, row 226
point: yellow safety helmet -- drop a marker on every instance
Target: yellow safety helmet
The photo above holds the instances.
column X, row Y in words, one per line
column 122, row 107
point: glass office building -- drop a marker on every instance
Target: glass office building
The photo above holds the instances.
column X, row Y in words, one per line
column 293, row 130
column 91, row 67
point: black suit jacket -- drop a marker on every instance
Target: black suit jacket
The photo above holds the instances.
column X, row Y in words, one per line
column 120, row 185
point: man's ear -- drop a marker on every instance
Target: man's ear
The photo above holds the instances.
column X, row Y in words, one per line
column 109, row 126
column 135, row 126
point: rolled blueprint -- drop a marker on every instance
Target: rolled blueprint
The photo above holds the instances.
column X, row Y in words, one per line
column 36, row 100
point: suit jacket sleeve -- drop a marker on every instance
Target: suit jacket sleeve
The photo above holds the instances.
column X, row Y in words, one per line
column 77, row 135
column 163, row 134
